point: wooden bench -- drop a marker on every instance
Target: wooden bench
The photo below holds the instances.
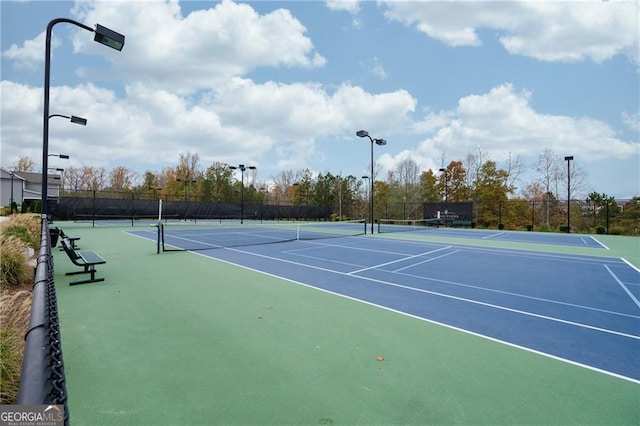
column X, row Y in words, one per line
column 86, row 259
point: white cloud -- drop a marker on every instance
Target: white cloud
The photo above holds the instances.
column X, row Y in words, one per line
column 243, row 121
column 502, row 121
column 351, row 6
column 31, row 54
column 548, row 31
column 206, row 47
column 632, row 119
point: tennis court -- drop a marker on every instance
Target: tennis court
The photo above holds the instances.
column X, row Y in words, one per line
column 578, row 308
column 292, row 333
column 421, row 226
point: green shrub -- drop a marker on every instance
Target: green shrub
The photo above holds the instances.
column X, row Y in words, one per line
column 14, row 269
column 14, row 320
column 600, row 229
column 501, row 226
column 25, row 227
column 616, row 230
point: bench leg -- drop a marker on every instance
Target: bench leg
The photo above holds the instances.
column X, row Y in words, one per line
column 93, row 280
column 87, row 270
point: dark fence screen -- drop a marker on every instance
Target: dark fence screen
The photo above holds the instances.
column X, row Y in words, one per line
column 449, row 212
column 81, row 208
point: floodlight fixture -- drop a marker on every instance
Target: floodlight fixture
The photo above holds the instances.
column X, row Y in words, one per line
column 242, row 168
column 109, row 37
column 379, row 142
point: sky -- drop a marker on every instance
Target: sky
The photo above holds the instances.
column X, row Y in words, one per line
column 285, row 85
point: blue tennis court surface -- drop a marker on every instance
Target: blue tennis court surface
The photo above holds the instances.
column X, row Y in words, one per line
column 581, row 309
column 572, row 240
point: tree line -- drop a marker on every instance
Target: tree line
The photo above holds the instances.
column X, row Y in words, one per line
column 540, row 204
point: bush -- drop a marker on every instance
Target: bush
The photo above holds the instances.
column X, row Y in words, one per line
column 529, row 227
column 501, row 226
column 25, row 227
column 616, row 230
column 14, row 320
column 600, row 229
column 14, row 269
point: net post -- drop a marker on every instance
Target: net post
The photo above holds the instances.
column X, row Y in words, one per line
column 159, row 236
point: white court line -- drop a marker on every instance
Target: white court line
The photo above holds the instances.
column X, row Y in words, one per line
column 451, row 327
column 624, row 287
column 597, row 241
column 499, row 234
column 523, row 296
column 447, row 296
column 397, row 260
column 426, row 260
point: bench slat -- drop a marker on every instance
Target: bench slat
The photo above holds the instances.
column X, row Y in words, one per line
column 92, row 258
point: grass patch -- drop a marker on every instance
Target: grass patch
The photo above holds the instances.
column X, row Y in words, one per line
column 18, row 233
column 14, row 320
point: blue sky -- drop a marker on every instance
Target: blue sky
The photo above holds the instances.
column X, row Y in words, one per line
column 285, row 85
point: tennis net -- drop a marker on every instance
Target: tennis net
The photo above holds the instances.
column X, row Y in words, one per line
column 183, row 236
column 406, row 225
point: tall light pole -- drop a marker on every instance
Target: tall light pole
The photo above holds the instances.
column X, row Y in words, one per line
column 104, row 36
column 568, row 160
column 242, row 168
column 369, row 194
column 446, row 194
column 11, row 202
column 379, row 142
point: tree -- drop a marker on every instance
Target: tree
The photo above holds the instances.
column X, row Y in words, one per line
column 473, row 164
column 514, row 169
column 428, row 190
column 456, row 181
column 217, row 185
column 490, row 186
column 121, row 178
column 548, row 168
column 24, row 164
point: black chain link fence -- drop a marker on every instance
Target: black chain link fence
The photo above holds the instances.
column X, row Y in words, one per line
column 43, row 379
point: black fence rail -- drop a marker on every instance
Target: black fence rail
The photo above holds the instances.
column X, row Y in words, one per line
column 43, row 379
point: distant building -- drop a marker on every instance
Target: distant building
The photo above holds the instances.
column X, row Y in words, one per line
column 26, row 187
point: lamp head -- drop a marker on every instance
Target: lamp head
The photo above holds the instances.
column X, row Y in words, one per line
column 381, row 142
column 362, row 133
column 78, row 120
column 569, row 157
column 109, row 37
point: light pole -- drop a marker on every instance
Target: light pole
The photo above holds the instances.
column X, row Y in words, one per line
column 379, row 142
column 568, row 160
column 11, row 202
column 242, row 168
column 446, row 194
column 102, row 35
column 369, row 194
column 186, row 183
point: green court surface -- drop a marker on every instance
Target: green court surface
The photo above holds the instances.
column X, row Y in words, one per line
column 181, row 339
